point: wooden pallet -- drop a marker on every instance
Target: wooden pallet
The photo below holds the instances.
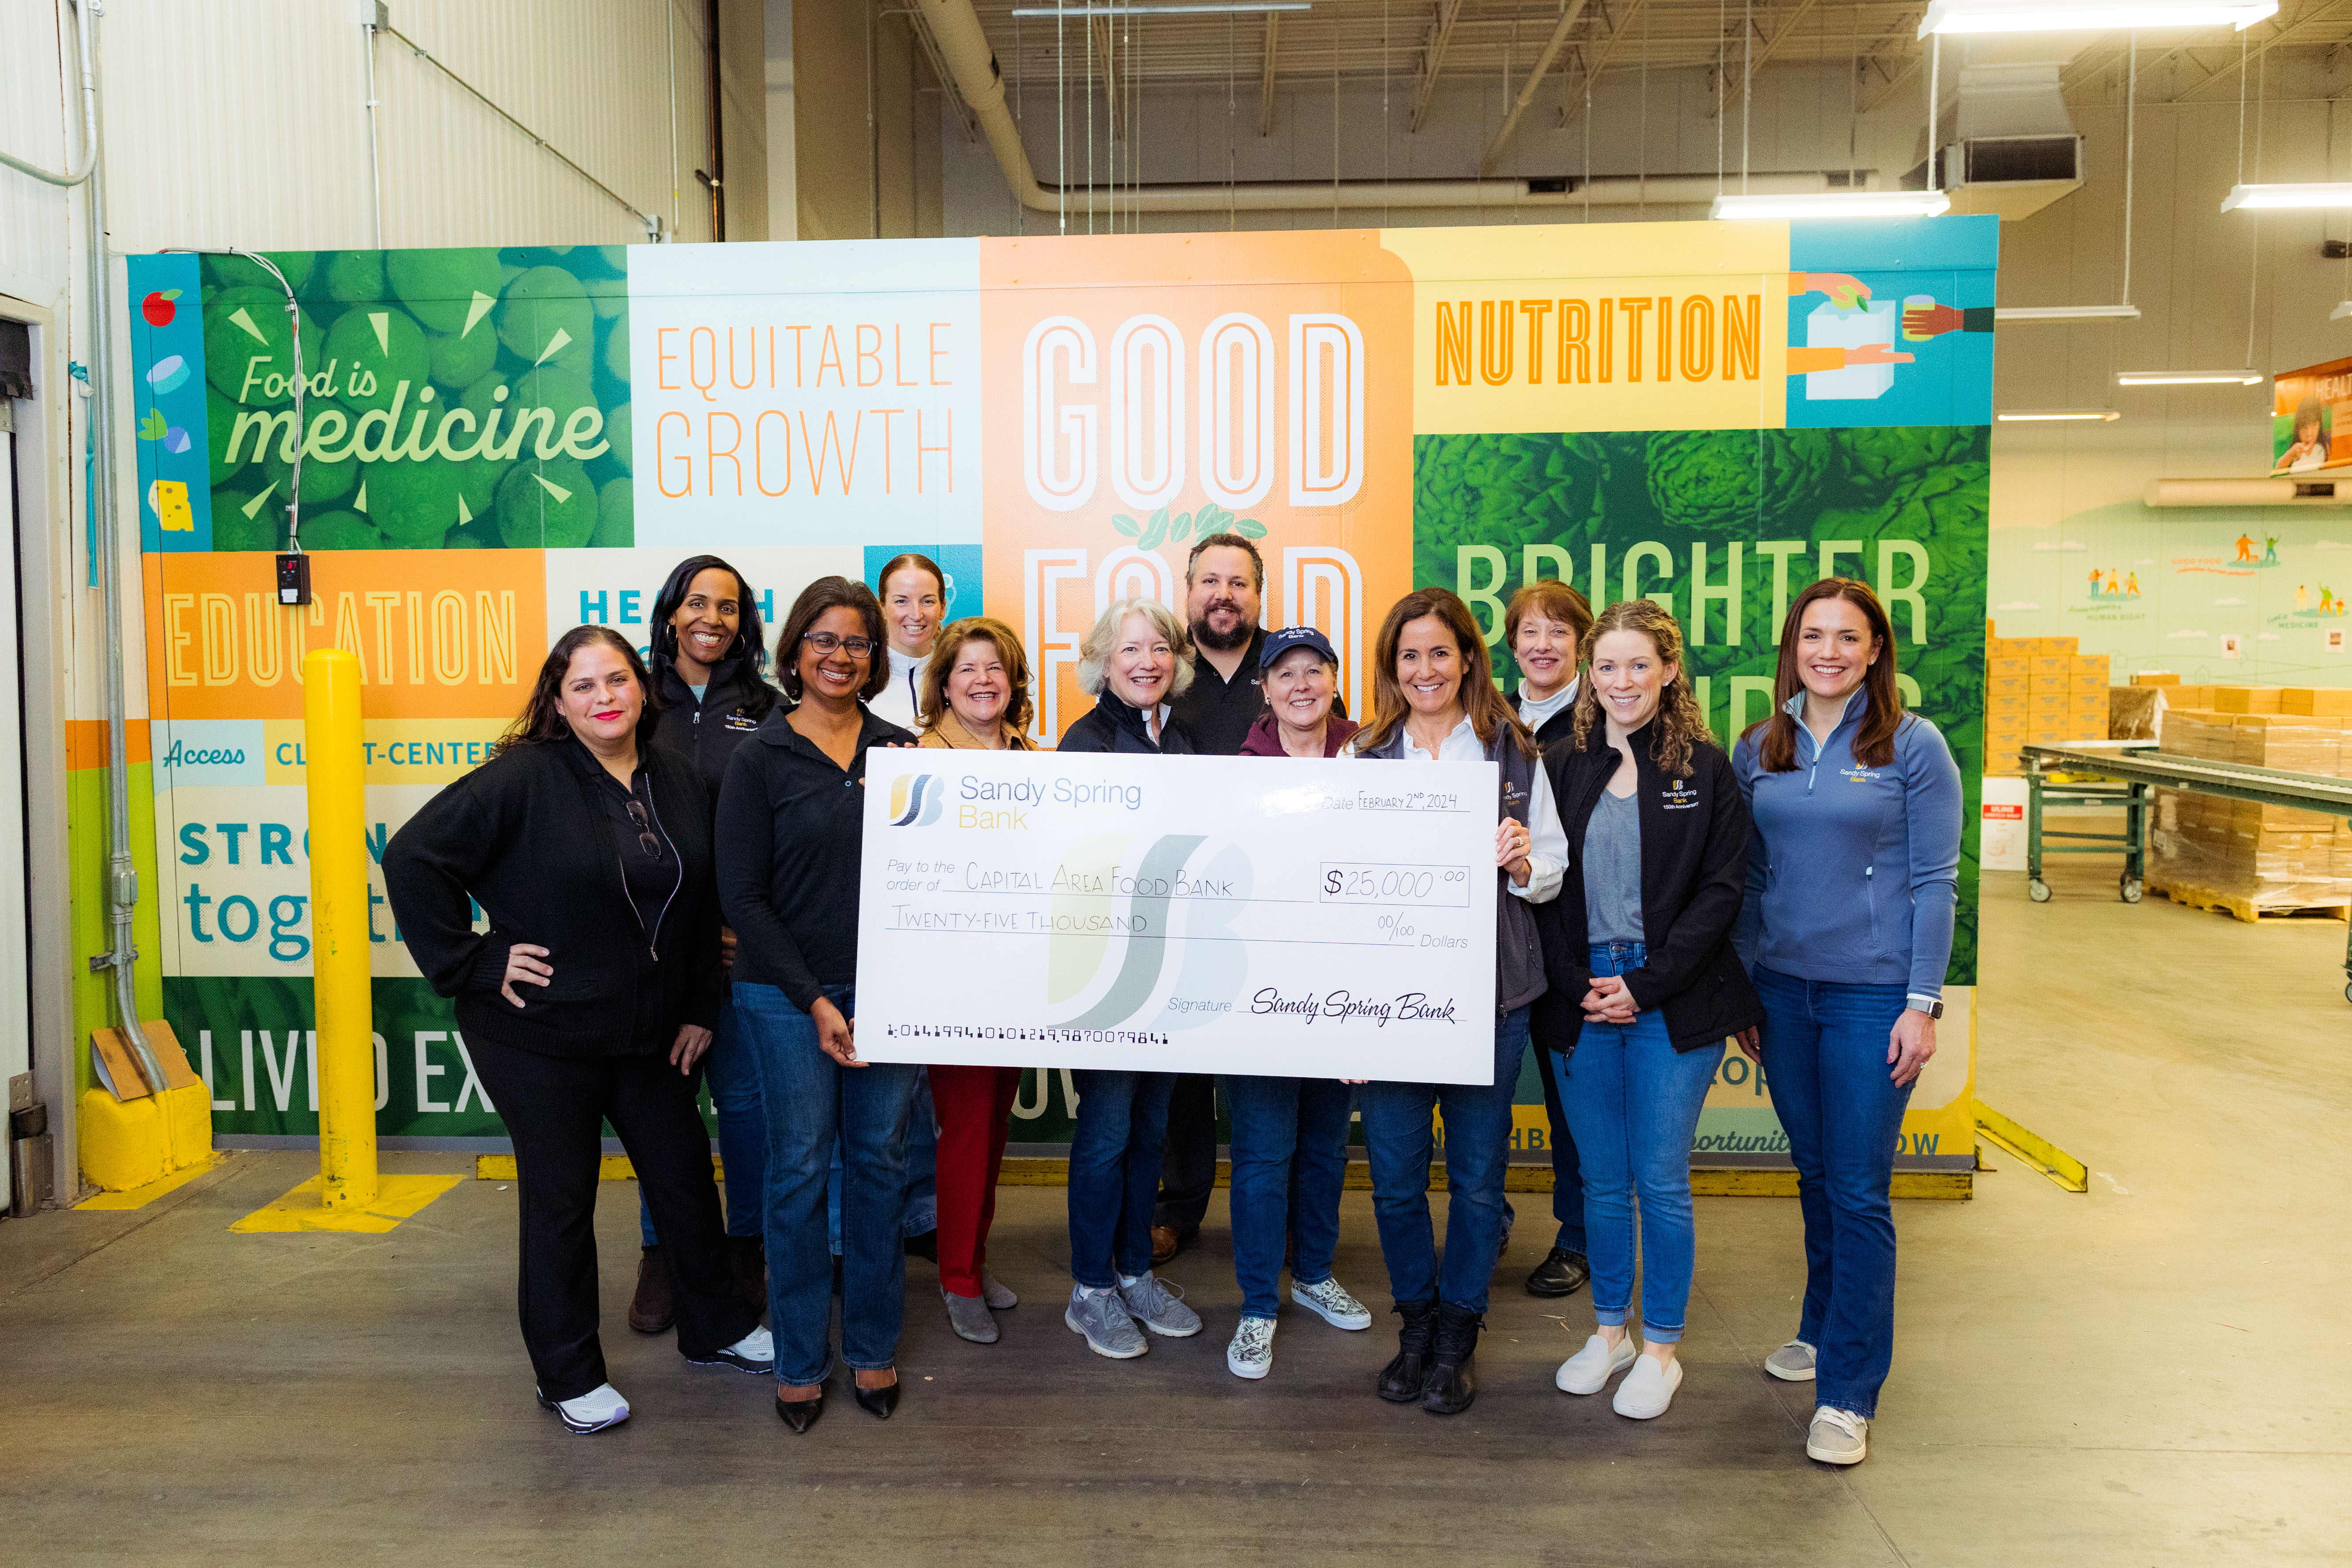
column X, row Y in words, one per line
column 2238, row 905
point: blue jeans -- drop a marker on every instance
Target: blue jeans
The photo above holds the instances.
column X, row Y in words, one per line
column 1633, row 1101
column 734, row 1080
column 921, row 1213
column 1122, row 1123
column 811, row 1099
column 1290, row 1160
column 1825, row 1063
column 1399, row 1141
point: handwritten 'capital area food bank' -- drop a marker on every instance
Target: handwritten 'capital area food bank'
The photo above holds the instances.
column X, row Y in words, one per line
column 976, row 877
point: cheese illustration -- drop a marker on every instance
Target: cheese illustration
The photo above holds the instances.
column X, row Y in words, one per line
column 169, row 498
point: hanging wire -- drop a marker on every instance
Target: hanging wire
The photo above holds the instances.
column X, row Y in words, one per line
column 1935, row 106
column 1090, row 123
column 1020, row 211
column 1335, row 122
column 2254, row 238
column 1747, row 86
column 1231, row 25
column 1384, row 111
column 1720, row 23
column 2131, row 152
column 1642, row 140
column 1061, row 118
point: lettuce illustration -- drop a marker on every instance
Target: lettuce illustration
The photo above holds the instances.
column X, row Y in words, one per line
column 1734, row 481
column 1880, row 456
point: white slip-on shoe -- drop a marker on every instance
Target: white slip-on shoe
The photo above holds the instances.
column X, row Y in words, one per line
column 599, row 1407
column 1330, row 1301
column 1251, row 1354
column 1792, row 1363
column 1837, row 1437
column 1648, row 1389
column 1589, row 1369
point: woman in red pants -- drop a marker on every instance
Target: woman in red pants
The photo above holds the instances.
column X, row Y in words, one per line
column 976, row 699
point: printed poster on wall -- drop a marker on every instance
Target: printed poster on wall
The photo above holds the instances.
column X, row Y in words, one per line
column 498, row 444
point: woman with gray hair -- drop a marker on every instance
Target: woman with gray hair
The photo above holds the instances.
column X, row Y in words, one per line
column 1132, row 662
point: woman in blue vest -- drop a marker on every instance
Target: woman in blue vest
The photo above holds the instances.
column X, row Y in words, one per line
column 1435, row 699
column 1852, row 876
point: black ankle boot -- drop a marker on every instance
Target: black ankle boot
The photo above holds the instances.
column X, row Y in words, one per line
column 1401, row 1379
column 1451, row 1387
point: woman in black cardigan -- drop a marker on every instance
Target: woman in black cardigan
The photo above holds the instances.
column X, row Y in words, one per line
column 590, row 998
column 1644, row 983
column 791, row 841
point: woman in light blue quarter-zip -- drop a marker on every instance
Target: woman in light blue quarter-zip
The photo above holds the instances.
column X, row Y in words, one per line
column 1853, row 874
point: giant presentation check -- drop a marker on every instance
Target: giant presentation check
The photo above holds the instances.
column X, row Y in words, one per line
column 1328, row 919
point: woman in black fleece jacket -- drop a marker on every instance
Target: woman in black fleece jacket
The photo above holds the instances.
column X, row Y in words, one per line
column 790, row 825
column 590, row 998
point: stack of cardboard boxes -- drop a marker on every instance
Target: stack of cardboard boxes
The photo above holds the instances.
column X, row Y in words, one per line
column 2040, row 691
column 2234, row 854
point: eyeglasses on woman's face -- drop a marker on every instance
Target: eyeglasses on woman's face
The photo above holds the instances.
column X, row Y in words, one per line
column 826, row 643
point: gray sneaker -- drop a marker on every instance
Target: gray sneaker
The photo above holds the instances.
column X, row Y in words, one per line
column 1837, row 1436
column 969, row 1316
column 1792, row 1363
column 1102, row 1318
column 1157, row 1308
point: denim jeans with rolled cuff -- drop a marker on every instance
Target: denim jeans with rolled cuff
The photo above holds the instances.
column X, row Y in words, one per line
column 1290, row 1162
column 1633, row 1102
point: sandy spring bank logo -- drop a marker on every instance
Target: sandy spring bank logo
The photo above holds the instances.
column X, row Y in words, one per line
column 915, row 800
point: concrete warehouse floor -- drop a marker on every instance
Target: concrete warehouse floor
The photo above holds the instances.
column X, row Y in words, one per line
column 2154, row 1373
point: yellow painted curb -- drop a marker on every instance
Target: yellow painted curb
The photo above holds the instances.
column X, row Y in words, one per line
column 2062, row 1168
column 140, row 1197
column 1705, row 1182
column 397, row 1198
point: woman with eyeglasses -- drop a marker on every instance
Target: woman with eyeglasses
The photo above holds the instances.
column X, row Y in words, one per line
column 591, row 998
column 790, row 828
column 707, row 672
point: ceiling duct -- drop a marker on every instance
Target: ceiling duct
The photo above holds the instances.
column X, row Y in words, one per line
column 2005, row 144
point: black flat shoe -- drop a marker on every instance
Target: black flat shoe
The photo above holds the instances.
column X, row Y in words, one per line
column 1561, row 1273
column 877, row 1401
column 800, row 1414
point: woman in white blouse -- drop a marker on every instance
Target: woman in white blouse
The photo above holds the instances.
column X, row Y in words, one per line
column 914, row 597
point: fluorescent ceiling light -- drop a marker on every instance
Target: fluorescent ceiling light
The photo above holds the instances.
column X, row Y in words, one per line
column 1834, row 204
column 2067, row 313
column 2056, row 416
column 2316, row 194
column 1121, row 8
column 2188, row 378
column 2080, row 16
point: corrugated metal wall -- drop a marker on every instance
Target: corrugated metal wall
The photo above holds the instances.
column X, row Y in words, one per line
column 245, row 122
column 33, row 127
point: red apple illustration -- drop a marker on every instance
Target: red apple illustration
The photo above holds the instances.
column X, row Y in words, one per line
column 158, row 308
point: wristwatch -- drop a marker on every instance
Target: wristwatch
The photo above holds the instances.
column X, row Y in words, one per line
column 1932, row 1006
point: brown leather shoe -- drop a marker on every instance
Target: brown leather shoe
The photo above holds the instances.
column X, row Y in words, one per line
column 1164, row 1243
column 651, row 1311
column 747, row 1259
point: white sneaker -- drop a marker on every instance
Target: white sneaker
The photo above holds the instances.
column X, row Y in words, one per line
column 754, row 1353
column 1330, row 1301
column 599, row 1407
column 1250, row 1354
column 1837, row 1437
column 1589, row 1369
column 1648, row 1390
column 1792, row 1363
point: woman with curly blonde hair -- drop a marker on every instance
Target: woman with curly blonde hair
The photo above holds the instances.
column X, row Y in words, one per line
column 1644, row 982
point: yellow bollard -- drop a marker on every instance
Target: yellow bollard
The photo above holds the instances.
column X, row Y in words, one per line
column 334, row 766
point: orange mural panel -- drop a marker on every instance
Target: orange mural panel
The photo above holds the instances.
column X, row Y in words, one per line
column 1146, row 390
column 438, row 634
